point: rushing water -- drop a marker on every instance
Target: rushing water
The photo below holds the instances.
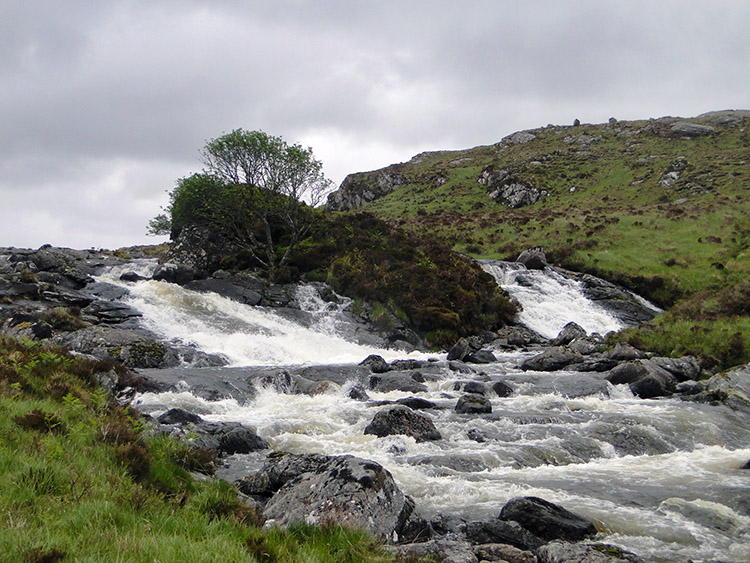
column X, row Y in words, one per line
column 659, row 477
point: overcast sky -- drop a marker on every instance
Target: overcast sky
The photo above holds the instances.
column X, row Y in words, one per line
column 104, row 104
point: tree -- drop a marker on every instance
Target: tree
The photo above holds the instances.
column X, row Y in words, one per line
column 255, row 190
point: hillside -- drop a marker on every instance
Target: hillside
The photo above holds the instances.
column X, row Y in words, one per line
column 660, row 205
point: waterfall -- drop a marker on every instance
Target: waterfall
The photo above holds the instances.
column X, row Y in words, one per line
column 549, row 300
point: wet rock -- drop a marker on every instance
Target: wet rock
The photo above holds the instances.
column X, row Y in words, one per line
column 476, row 387
column 279, row 469
column 403, row 420
column 396, row 382
column 417, row 403
column 460, row 350
column 645, row 378
column 503, row 552
column 358, row 393
column 552, row 359
column 502, row 389
column 500, row 531
column 684, row 369
column 178, row 416
column 460, row 367
column 441, row 549
column 174, row 273
column 547, row 520
column 110, row 312
column 584, row 346
column 348, row 491
column 569, row 333
column 131, row 277
column 241, row 289
column 473, row 404
column 563, row 552
column 624, row 352
column 533, row 258
column 731, row 389
column 480, row 357
column 226, row 438
column 376, row 364
column 476, row 435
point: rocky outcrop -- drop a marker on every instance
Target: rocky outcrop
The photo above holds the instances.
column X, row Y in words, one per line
column 359, row 189
column 346, row 490
column 731, row 388
column 403, row 420
column 504, row 188
column 533, row 258
column 552, row 359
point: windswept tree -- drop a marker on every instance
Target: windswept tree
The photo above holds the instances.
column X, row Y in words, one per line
column 256, row 190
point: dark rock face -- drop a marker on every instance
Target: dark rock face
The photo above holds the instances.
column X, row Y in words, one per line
column 376, row 364
column 502, row 389
column 547, row 520
column 480, row 357
column 552, row 359
column 499, row 531
column 563, row 552
column 533, row 258
column 349, row 491
column 178, row 416
column 246, row 289
column 225, row 438
column 645, row 378
column 403, row 420
column 569, row 333
column 473, row 404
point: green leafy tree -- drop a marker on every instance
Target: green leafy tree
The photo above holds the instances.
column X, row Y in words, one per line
column 256, row 190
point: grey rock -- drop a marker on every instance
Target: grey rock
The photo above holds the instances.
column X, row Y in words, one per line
column 552, row 359
column 473, row 404
column 503, row 552
column 625, row 352
column 174, row 273
column 460, row 350
column 684, row 369
column 533, row 258
column 398, row 381
column 376, row 364
column 242, row 290
column 440, row 549
column 503, row 389
column 480, row 357
column 178, row 416
column 731, row 388
column 645, row 378
column 499, row 531
column 690, row 129
column 569, row 333
column 564, row 552
column 547, row 520
column 403, row 420
column 349, row 491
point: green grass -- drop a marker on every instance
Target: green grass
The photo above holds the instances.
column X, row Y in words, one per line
column 81, row 482
column 620, row 222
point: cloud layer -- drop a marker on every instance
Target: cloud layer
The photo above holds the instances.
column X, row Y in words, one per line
column 104, row 105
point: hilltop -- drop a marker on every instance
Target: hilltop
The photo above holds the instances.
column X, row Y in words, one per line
column 659, row 205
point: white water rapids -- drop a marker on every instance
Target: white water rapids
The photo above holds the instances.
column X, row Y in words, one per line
column 661, row 478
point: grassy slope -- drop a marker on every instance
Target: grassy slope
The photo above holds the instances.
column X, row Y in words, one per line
column 78, row 482
column 668, row 243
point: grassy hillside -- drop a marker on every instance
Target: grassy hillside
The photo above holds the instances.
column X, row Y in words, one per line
column 654, row 205
column 82, row 481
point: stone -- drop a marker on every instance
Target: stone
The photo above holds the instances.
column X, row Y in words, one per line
column 689, row 129
column 503, row 552
column 174, row 273
column 552, row 359
column 473, row 404
column 547, row 520
column 178, row 416
column 502, row 389
column 459, row 350
column 376, row 364
column 569, row 333
column 625, row 352
column 564, row 552
column 403, row 420
column 417, row 403
column 440, row 549
column 645, row 378
column 499, row 531
column 684, row 369
column 396, row 382
column 351, row 492
column 533, row 258
column 480, row 357
column 241, row 290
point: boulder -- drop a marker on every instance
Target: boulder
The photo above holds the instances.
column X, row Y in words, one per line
column 564, row 552
column 226, row 438
column 178, row 416
column 396, row 382
column 473, row 404
column 476, row 387
column 624, row 352
column 174, row 273
column 462, row 348
column 689, row 129
column 348, row 491
column 241, row 289
column 569, row 333
column 552, row 359
column 480, row 357
column 500, row 531
column 547, row 520
column 417, row 403
column 440, row 549
column 731, row 388
column 279, row 469
column 645, row 378
column 684, row 369
column 502, row 389
column 376, row 364
column 533, row 259
column 402, row 420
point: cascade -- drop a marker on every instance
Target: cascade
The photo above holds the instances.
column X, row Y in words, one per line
column 660, row 477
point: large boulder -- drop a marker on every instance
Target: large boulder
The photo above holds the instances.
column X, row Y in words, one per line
column 533, row 259
column 547, row 520
column 552, row 359
column 500, row 531
column 402, row 420
column 731, row 388
column 645, row 378
column 349, row 491
column 569, row 333
column 473, row 404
